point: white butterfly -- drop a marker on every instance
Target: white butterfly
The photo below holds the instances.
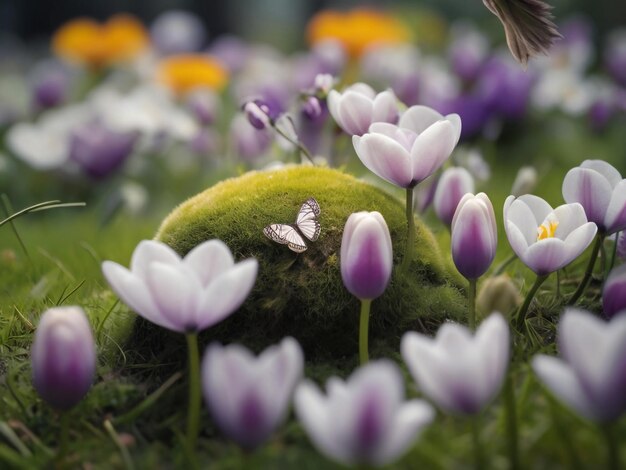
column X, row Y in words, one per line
column 307, row 223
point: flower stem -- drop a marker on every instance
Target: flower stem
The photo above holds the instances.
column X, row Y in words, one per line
column 521, row 314
column 296, row 142
column 410, row 235
column 64, row 437
column 193, row 413
column 364, row 331
column 476, row 442
column 589, row 271
column 612, row 462
column 471, row 300
column 502, row 266
column 511, row 422
column 613, row 256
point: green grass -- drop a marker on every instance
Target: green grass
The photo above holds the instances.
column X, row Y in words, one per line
column 122, row 425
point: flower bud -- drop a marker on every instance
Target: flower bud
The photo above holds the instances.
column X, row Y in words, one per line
column 257, row 113
column 63, row 357
column 498, row 294
column 614, row 292
column 312, row 108
column 323, row 83
column 453, row 185
column 474, row 235
column 525, row 181
column 366, row 255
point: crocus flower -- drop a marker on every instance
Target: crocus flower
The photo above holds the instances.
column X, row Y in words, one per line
column 459, row 371
column 453, row 185
column 63, row 357
column 413, row 150
column 546, row 239
column 474, row 235
column 99, row 150
column 364, row 420
column 614, row 292
column 590, row 377
column 366, row 255
column 525, row 181
column 184, row 295
column 249, row 396
column 599, row 187
column 358, row 106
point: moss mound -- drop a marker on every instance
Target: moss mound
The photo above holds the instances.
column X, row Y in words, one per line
column 302, row 295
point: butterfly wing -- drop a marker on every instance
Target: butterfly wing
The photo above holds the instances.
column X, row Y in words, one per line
column 285, row 235
column 307, row 220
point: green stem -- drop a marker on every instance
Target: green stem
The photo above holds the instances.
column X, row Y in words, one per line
column 521, row 314
column 471, row 300
column 511, row 422
column 64, row 437
column 193, row 416
column 603, row 263
column 613, row 256
column 500, row 269
column 476, row 442
column 589, row 271
column 297, row 143
column 410, row 235
column 364, row 331
column 612, row 462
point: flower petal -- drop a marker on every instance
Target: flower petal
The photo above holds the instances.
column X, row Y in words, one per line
column 615, row 219
column 355, row 113
column 419, row 118
column 148, row 251
column 385, row 157
column 605, row 169
column 589, row 188
column 570, row 217
column 385, row 108
column 547, row 256
column 208, row 260
column 431, row 148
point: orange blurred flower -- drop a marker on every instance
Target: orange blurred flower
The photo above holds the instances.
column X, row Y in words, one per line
column 97, row 45
column 184, row 72
column 357, row 29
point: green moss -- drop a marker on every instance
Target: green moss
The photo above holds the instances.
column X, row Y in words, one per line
column 303, row 295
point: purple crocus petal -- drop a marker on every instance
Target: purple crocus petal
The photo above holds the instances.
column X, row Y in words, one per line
column 563, row 383
column 546, row 256
column 591, row 189
column 474, row 237
column 605, row 169
column 614, row 292
column 493, row 339
column 419, row 118
column 385, row 157
column 454, row 183
column 209, row 260
column 366, row 255
column 431, row 148
column 404, row 137
column 385, row 108
column 226, row 293
column 615, row 219
column 355, row 113
column 134, row 292
column 63, row 357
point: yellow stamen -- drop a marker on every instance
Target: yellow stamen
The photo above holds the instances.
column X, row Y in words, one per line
column 547, row 229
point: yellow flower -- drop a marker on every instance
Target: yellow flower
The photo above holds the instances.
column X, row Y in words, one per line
column 182, row 73
column 96, row 45
column 357, row 29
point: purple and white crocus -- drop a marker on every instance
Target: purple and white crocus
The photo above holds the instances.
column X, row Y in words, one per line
column 614, row 292
column 454, row 183
column 364, row 420
column 459, row 371
column 249, row 396
column 590, row 377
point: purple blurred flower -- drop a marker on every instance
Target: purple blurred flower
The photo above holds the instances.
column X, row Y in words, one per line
column 364, row 420
column 413, row 150
column 591, row 376
column 312, row 108
column 546, row 239
column 98, row 150
column 359, row 105
column 205, row 142
column 599, row 187
column 249, row 396
column 204, row 104
column 621, row 245
column 248, row 142
column 50, row 84
column 614, row 292
column 459, row 371
column 177, row 31
column 231, row 51
column 183, row 295
column 257, row 113
column 366, row 255
column 474, row 235
column 615, row 55
column 468, row 52
column 63, row 357
column 454, row 183
column 473, row 110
